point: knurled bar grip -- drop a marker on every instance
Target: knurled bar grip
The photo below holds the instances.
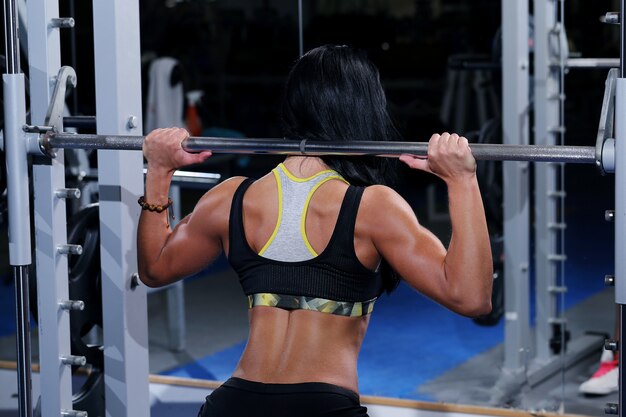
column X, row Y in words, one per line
column 494, row 152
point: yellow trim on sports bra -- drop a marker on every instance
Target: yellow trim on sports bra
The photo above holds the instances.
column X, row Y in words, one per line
column 293, row 177
column 306, row 207
column 280, row 213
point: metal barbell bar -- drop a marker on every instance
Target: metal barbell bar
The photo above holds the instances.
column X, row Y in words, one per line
column 494, row 152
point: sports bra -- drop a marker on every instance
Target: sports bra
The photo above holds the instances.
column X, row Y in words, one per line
column 334, row 281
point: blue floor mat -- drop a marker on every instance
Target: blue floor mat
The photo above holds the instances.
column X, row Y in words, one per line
column 412, row 340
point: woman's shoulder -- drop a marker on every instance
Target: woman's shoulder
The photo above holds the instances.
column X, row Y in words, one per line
column 382, row 199
column 223, row 193
column 382, row 194
column 220, row 195
column 228, row 186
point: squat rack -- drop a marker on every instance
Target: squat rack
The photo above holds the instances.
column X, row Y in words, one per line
column 116, row 41
column 118, row 83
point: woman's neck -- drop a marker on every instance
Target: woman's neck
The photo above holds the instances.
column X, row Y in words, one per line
column 304, row 166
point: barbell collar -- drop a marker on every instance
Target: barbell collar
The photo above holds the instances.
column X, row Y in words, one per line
column 607, row 160
column 493, row 152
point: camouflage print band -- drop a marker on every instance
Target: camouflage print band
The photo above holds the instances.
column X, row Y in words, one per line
column 295, row 302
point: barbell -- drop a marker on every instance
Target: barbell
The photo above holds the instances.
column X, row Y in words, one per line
column 49, row 141
column 45, row 139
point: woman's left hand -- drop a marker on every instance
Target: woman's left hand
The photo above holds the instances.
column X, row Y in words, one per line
column 163, row 150
column 449, row 157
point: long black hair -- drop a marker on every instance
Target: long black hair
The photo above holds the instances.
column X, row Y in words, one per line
column 334, row 93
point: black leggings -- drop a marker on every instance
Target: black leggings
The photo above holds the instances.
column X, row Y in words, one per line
column 241, row 398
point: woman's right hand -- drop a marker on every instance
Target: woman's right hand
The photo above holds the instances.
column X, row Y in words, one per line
column 163, row 150
column 449, row 157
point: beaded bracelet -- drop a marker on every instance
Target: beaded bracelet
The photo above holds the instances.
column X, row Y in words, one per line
column 159, row 208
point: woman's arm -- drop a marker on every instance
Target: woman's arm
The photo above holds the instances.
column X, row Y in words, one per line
column 460, row 277
column 165, row 255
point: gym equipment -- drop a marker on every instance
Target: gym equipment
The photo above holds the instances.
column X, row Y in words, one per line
column 84, row 285
column 534, row 153
column 43, row 140
column 86, row 309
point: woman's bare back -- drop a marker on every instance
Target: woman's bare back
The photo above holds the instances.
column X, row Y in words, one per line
column 300, row 346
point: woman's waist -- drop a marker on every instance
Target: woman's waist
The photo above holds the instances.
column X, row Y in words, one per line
column 289, row 388
column 299, row 376
column 271, row 361
column 291, row 333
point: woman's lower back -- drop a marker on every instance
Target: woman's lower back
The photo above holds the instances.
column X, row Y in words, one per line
column 289, row 347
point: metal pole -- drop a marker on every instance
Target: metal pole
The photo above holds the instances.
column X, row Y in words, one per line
column 300, row 29
column 73, row 55
column 494, row 152
column 620, row 203
column 515, row 130
column 12, row 43
column 17, row 197
column 22, row 312
column 50, row 216
column 591, row 63
column 124, row 305
column 546, row 111
column 620, row 223
column 622, row 55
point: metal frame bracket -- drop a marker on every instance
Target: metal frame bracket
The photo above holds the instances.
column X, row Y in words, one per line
column 38, row 143
column 605, row 142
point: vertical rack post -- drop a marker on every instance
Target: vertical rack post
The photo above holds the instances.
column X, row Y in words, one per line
column 44, row 57
column 18, row 200
column 516, row 220
column 546, row 113
column 120, row 176
column 620, row 202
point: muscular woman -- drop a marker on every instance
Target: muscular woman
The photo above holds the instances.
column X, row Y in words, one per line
column 316, row 241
